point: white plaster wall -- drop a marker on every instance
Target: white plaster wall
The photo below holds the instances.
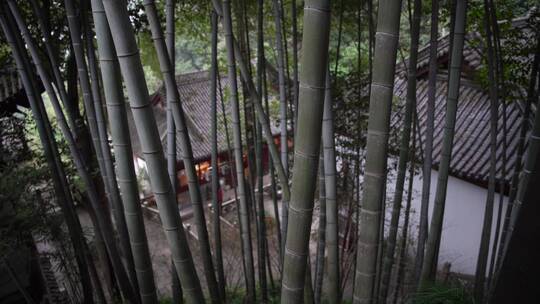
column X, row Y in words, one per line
column 463, row 220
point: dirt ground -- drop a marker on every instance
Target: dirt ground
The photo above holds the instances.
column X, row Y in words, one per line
column 231, row 245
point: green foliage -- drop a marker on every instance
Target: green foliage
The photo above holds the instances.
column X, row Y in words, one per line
column 237, row 296
column 23, row 211
column 514, row 52
column 438, row 293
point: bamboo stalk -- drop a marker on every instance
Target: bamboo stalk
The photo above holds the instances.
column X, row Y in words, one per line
column 428, row 151
column 381, row 93
column 308, row 139
column 330, row 175
column 243, row 210
column 483, row 252
column 50, row 150
column 51, row 52
column 133, row 74
column 103, row 221
column 259, row 111
column 262, row 239
column 116, row 107
column 388, row 259
column 187, row 154
column 321, row 239
column 405, row 229
column 215, row 166
column 114, row 193
column 433, row 241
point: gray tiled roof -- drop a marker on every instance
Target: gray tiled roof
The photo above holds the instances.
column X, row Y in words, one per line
column 194, row 89
column 470, row 155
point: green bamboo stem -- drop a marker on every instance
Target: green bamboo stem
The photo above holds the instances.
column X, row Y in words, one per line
column 282, row 109
column 215, row 166
column 295, row 57
column 5, row 86
column 433, row 241
column 405, row 229
column 76, row 42
column 520, row 152
column 238, row 155
column 51, row 53
column 330, row 175
column 308, row 283
column 114, row 193
column 133, row 74
column 177, row 293
column 50, row 150
column 483, row 252
column 502, row 182
column 282, row 91
column 127, row 179
column 259, row 111
column 109, row 176
column 428, row 150
column 321, row 239
column 14, row 84
column 528, row 167
column 308, row 139
column 99, row 176
column 259, row 199
column 388, row 259
column 381, row 93
column 272, row 171
column 103, row 221
column 2, row 95
column 171, row 128
column 186, row 150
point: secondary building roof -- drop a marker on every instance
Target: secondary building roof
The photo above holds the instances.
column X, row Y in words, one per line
column 194, row 89
column 470, row 155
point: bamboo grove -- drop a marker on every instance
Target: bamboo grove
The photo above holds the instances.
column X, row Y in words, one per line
column 352, row 139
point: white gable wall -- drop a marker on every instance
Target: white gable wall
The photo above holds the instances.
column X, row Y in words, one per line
column 463, row 220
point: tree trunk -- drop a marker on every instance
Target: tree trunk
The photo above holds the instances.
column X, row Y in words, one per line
column 114, row 193
column 238, row 156
column 282, row 108
column 388, row 260
column 527, row 172
column 433, row 242
column 321, row 239
column 116, row 107
column 295, row 58
column 104, row 223
column 376, row 151
column 483, row 252
column 180, row 120
column 90, row 135
column 310, row 114
column 215, row 166
column 177, row 293
column 132, row 71
column 52, row 54
column 259, row 111
column 514, row 197
column 518, row 281
column 404, row 232
column 428, row 150
column 50, row 150
column 330, row 175
column 262, row 240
